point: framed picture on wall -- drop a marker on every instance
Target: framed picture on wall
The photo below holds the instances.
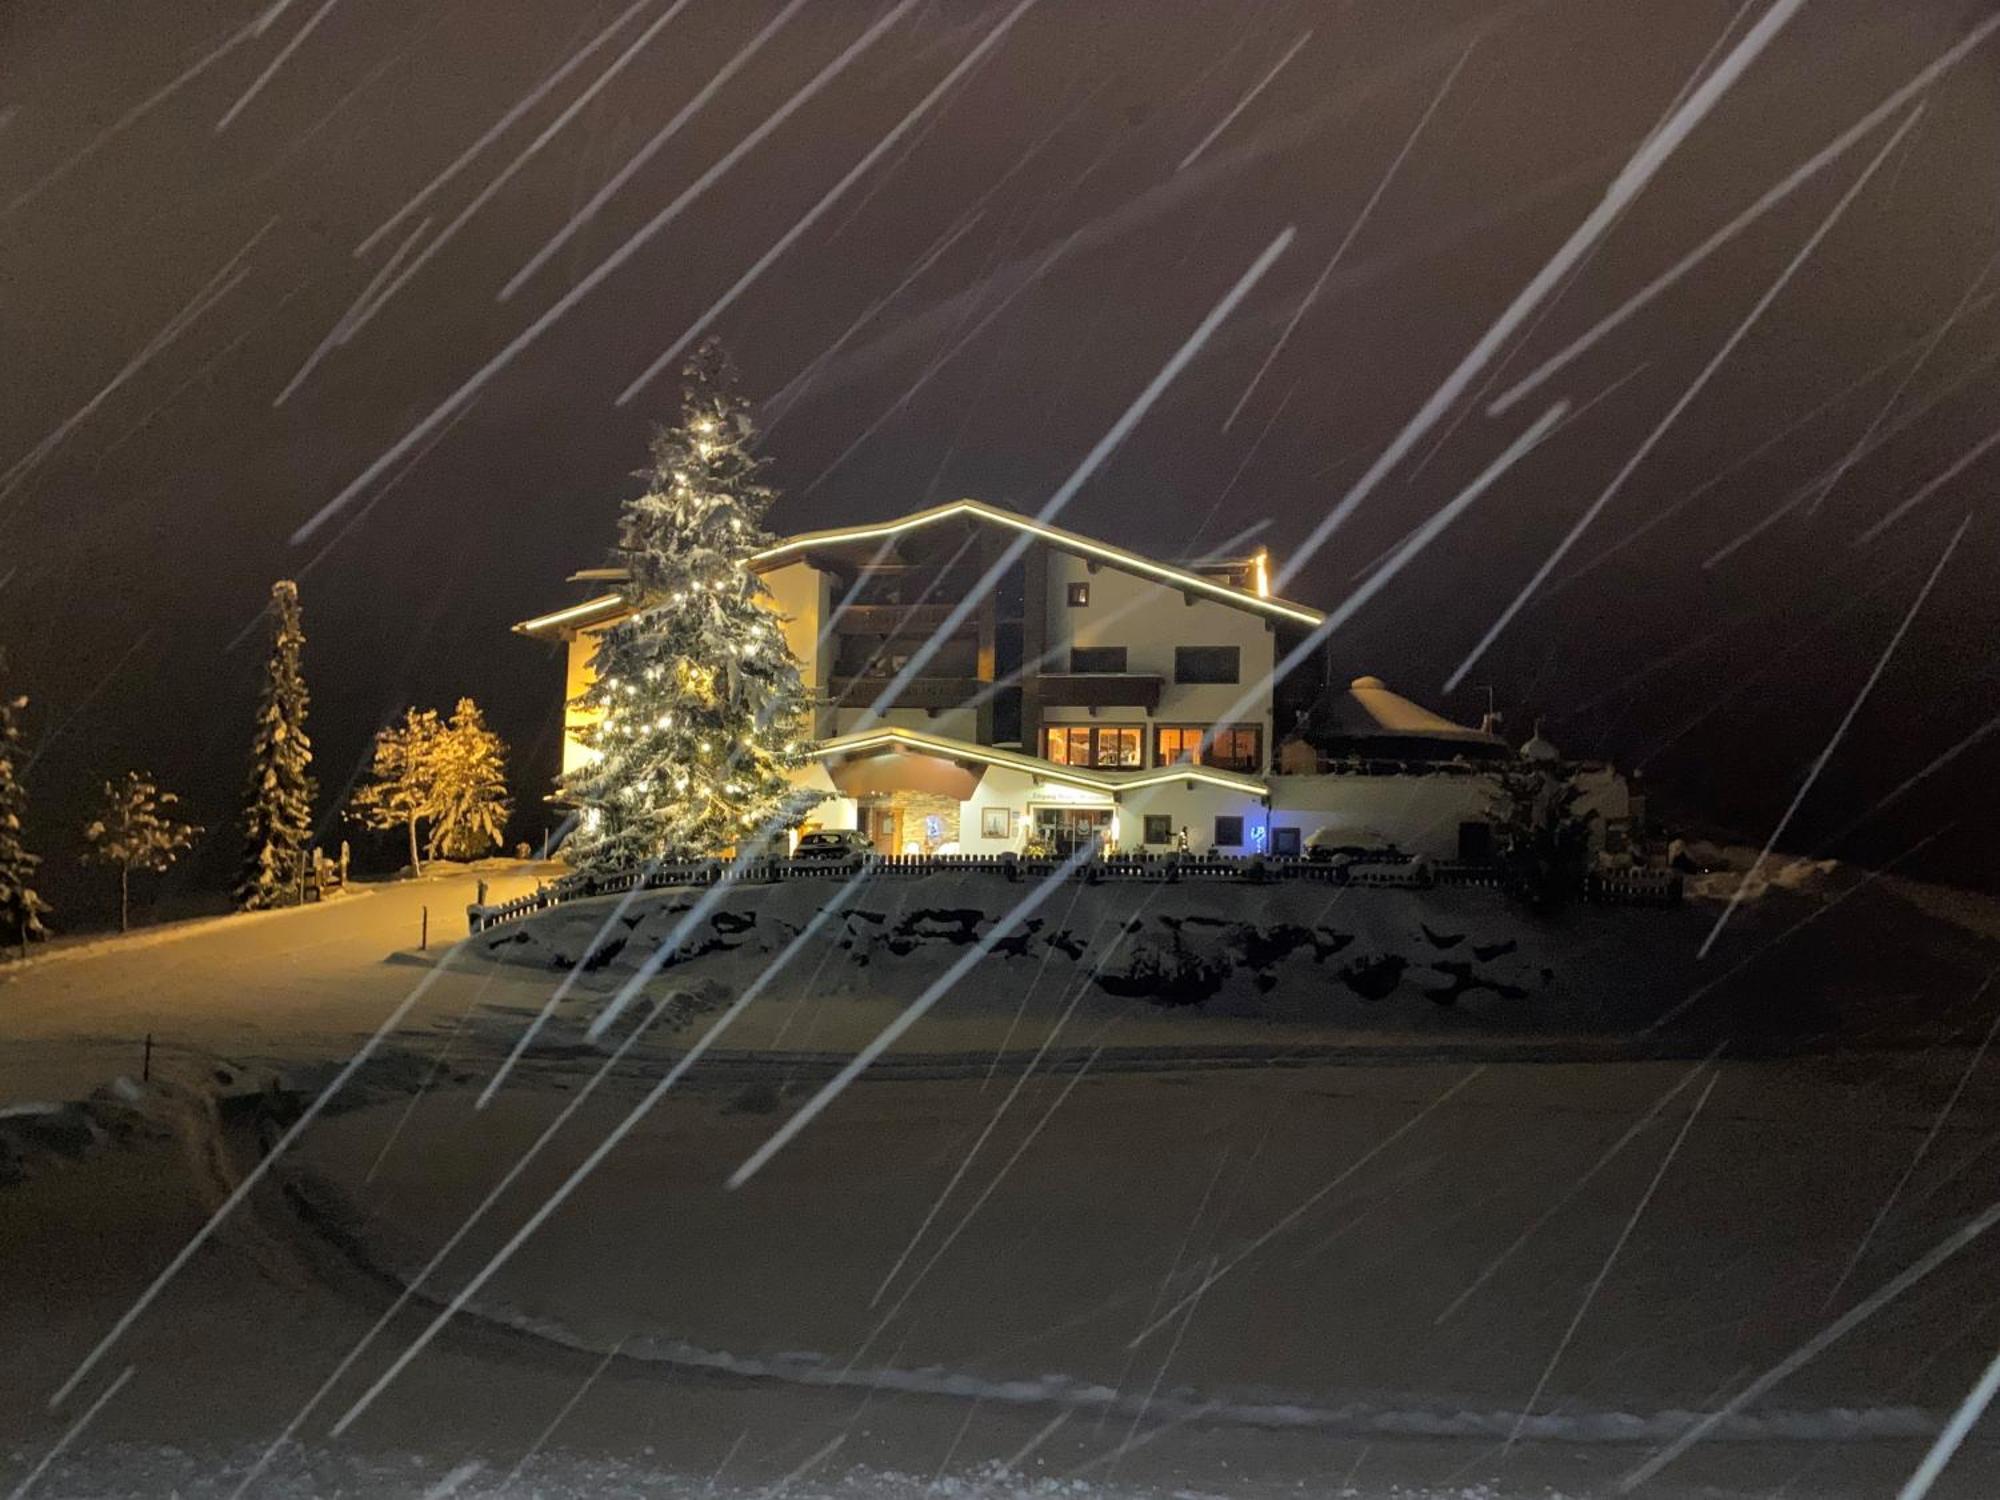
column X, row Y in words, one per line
column 996, row 822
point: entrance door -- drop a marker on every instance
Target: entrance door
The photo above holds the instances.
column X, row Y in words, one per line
column 885, row 829
column 1069, row 828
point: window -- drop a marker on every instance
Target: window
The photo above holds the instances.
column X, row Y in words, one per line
column 1180, row 743
column 1229, row 833
column 1109, row 747
column 996, row 822
column 1159, row 828
column 1207, row 663
column 1285, row 842
column 1240, row 747
column 1234, row 747
column 1097, row 659
column 1079, row 595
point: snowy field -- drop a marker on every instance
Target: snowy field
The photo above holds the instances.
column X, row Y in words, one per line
column 1182, row 1254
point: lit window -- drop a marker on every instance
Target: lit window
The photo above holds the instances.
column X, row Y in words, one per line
column 1179, row 744
column 1239, row 747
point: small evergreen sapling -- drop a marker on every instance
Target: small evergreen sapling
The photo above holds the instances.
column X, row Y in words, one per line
column 136, row 829
column 469, row 793
column 277, row 816
column 21, row 909
column 697, row 710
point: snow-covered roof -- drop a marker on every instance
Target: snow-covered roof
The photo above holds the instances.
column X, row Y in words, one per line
column 610, row 606
column 1367, row 710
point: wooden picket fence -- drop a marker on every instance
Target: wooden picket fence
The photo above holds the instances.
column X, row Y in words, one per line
column 1385, row 872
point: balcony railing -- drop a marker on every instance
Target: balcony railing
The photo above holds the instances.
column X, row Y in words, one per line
column 901, row 620
column 918, row 692
column 1102, row 690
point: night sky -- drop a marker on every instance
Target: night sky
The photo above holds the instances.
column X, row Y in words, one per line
column 137, row 549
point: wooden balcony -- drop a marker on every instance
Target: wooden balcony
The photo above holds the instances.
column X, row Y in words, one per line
column 918, row 692
column 902, row 621
column 1095, row 690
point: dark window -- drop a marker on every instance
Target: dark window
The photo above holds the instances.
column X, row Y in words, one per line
column 1285, row 842
column 1079, row 594
column 1228, row 833
column 1159, row 828
column 1097, row 659
column 1207, row 663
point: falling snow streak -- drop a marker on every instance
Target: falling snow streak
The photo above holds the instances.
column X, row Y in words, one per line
column 358, row 311
column 1244, row 103
column 794, row 390
column 1979, row 450
column 1910, row 783
column 1819, row 764
column 603, row 271
column 1611, row 1154
column 1353, row 230
column 506, row 174
column 1312, row 1200
column 1800, row 175
column 908, row 1017
column 130, row 118
column 1092, row 461
column 1922, row 1151
column 542, row 1438
column 218, row 286
column 1629, row 183
column 271, row 69
column 1695, row 388
column 411, row 1289
column 560, row 993
column 1575, row 415
column 500, row 126
column 1955, row 1431
column 20, row 1491
column 929, row 372
column 1835, row 1331
column 254, row 1176
column 590, row 1163
column 659, row 138
column 832, row 196
column 1604, row 1271
column 1405, row 553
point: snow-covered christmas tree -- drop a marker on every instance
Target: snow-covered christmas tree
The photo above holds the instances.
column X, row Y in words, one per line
column 698, row 707
column 21, row 910
column 277, row 815
column 469, row 775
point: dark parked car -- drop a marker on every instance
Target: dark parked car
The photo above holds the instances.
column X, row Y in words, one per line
column 833, row 843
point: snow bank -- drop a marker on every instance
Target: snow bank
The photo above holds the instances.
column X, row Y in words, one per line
column 1444, row 959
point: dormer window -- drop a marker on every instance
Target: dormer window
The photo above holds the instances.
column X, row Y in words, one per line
column 1079, row 595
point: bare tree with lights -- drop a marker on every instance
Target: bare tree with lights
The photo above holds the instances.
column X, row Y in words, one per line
column 697, row 710
column 403, row 791
column 137, row 830
column 21, row 909
column 277, row 816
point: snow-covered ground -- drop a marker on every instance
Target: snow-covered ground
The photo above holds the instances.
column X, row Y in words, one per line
column 1254, row 1268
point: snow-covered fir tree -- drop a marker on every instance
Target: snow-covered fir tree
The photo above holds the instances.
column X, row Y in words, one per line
column 137, row 828
column 277, row 815
column 469, row 801
column 698, row 709
column 21, row 910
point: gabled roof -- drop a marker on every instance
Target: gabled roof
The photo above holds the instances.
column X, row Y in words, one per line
column 1056, row 536
column 610, row 606
column 900, row 736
